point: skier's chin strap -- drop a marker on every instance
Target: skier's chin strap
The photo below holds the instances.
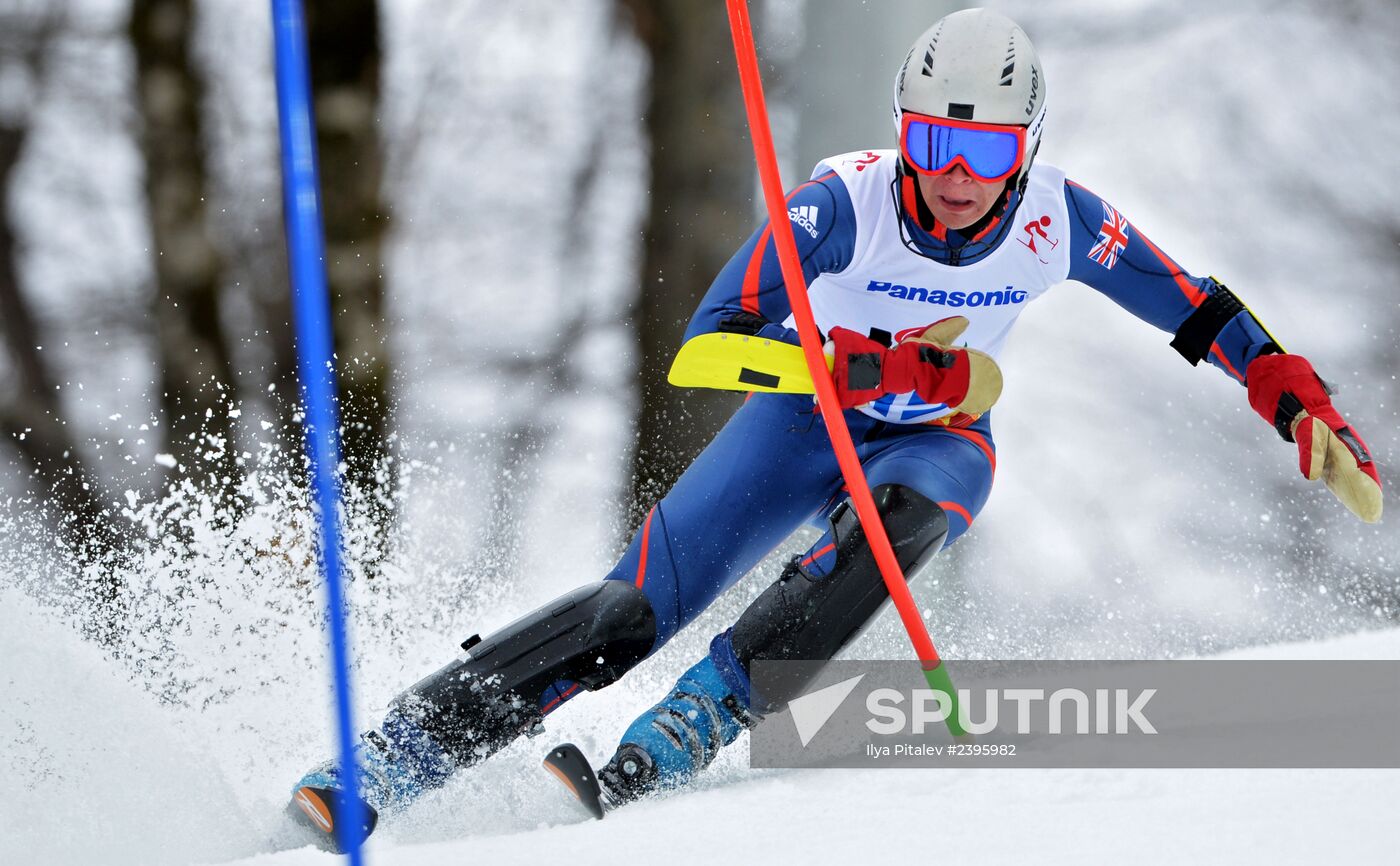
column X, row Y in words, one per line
column 978, row 239
column 916, row 207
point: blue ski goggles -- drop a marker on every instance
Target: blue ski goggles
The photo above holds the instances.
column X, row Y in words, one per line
column 988, row 151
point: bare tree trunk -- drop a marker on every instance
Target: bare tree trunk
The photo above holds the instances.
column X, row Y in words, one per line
column 196, row 375
column 29, row 411
column 31, row 418
column 345, row 56
column 701, row 210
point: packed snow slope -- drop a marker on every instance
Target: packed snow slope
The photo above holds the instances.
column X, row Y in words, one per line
column 965, row 816
column 93, row 771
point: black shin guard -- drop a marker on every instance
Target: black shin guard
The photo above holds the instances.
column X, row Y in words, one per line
column 480, row 703
column 806, row 617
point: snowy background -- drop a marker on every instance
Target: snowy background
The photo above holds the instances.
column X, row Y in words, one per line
column 1141, row 509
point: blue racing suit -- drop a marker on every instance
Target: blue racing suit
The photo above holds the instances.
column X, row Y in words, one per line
column 771, row 469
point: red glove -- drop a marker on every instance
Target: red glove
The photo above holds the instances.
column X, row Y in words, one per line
column 866, row 370
column 1289, row 394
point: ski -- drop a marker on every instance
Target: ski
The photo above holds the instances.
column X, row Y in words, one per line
column 569, row 766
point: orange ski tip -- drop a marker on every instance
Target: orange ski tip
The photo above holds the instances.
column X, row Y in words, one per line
column 561, row 776
column 315, row 808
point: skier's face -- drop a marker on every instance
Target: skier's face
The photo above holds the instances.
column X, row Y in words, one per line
column 957, row 198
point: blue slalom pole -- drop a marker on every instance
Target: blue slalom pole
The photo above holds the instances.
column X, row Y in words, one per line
column 306, row 247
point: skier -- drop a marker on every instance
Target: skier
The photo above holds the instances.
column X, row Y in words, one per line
column 919, row 261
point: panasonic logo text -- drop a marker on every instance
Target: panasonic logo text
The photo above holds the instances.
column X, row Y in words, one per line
column 997, row 298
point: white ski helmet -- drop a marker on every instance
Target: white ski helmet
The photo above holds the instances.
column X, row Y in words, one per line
column 975, row 65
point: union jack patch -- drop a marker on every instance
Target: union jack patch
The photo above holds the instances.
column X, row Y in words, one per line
column 1113, row 238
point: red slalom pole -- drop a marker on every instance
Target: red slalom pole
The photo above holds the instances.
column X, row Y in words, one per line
column 752, row 84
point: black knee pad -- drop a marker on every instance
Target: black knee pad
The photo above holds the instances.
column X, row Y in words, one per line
column 481, row 702
column 806, row 617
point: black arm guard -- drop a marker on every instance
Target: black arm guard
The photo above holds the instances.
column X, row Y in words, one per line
column 1200, row 330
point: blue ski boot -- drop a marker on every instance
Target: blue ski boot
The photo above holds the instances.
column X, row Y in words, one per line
column 397, row 763
column 668, row 745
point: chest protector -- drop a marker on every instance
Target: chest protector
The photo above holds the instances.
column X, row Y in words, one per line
column 889, row 287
